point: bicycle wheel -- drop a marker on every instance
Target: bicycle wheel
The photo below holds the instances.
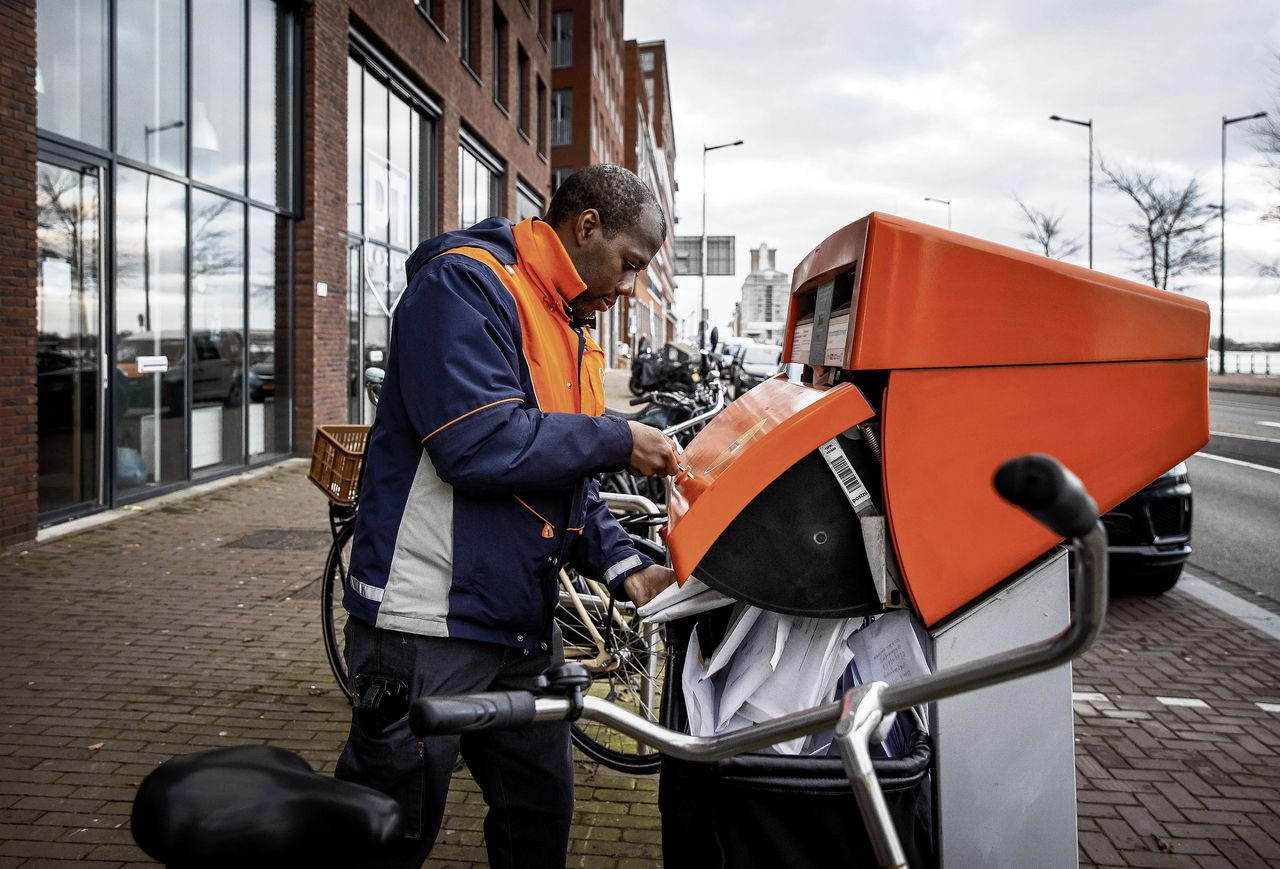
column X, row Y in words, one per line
column 333, row 617
column 629, row 672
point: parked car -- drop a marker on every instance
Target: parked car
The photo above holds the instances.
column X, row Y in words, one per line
column 757, row 364
column 1149, row 535
column 729, row 350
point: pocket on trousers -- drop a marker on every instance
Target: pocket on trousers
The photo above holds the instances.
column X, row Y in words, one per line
column 390, row 761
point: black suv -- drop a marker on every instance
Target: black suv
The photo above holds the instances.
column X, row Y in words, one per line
column 1149, row 535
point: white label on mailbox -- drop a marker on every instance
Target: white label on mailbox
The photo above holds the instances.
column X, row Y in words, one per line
column 847, row 477
column 800, row 341
column 837, row 333
column 152, row 364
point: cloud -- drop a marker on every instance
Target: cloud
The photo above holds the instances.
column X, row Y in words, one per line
column 847, row 108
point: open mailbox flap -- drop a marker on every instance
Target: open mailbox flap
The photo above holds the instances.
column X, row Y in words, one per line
column 753, row 514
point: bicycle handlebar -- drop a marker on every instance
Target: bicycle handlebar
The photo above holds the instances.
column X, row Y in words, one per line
column 467, row 712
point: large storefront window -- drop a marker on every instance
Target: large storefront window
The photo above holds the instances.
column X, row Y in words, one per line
column 390, row 130
column 195, row 173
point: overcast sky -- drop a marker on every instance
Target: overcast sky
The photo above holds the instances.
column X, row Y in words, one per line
column 848, row 108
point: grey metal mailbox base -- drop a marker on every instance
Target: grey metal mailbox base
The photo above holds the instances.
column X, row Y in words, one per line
column 1004, row 760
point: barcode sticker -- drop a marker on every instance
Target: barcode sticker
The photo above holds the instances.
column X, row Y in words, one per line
column 847, row 477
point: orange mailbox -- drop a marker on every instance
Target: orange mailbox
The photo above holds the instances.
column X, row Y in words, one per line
column 929, row 358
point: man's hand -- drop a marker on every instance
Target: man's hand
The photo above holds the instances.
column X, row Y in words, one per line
column 644, row 585
column 653, row 454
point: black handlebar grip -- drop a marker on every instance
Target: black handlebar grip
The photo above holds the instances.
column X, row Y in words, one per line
column 643, row 399
column 466, row 712
column 1054, row 496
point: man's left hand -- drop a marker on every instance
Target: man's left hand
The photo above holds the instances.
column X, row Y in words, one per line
column 643, row 585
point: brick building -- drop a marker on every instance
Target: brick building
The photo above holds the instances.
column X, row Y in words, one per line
column 205, row 210
column 610, row 104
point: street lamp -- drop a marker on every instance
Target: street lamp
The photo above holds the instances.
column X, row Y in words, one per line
column 946, row 202
column 1222, row 243
column 1089, row 124
column 702, row 292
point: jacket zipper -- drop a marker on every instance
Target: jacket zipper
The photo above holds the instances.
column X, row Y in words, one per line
column 548, row 530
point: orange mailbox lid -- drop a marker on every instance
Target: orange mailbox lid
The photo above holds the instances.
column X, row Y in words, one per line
column 744, row 449
column 927, row 297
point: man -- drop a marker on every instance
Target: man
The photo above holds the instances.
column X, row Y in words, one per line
column 476, row 491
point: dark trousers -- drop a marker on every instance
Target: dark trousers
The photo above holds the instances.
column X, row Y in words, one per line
column 525, row 774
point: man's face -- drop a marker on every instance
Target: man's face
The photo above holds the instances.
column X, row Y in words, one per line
column 609, row 266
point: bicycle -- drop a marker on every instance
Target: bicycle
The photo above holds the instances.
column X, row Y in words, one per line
column 265, row 805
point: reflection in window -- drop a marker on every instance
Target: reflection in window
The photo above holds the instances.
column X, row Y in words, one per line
column 264, row 103
column 151, row 124
column 217, row 333
column 479, row 188
column 71, row 68
column 149, row 383
column 528, row 203
column 268, row 375
column 217, row 93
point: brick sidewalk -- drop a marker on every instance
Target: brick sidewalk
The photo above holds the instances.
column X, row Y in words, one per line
column 166, row 632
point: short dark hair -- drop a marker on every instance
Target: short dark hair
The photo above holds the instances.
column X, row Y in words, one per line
column 617, row 194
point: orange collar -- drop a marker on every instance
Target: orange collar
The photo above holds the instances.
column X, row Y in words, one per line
column 539, row 251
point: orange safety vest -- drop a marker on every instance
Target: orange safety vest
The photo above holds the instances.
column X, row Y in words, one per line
column 566, row 365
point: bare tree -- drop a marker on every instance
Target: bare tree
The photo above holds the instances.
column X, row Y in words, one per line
column 1046, row 232
column 1171, row 239
column 1266, row 137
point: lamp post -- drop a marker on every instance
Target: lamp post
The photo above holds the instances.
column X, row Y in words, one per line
column 1222, row 243
column 147, row 133
column 946, row 202
column 1089, row 124
column 702, row 292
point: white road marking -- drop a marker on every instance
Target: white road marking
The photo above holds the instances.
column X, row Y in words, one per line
column 1268, row 707
column 1088, row 697
column 1268, row 422
column 1238, row 462
column 1190, row 702
column 1230, row 434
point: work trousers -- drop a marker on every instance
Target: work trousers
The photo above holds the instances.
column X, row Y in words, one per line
column 525, row 774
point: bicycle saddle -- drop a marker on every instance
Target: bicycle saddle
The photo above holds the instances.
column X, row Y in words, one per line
column 258, row 805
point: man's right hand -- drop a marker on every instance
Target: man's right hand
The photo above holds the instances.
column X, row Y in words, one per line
column 653, row 454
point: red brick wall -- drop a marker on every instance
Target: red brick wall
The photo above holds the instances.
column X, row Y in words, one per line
column 18, row 504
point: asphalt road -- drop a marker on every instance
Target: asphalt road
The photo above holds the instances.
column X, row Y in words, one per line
column 1236, row 484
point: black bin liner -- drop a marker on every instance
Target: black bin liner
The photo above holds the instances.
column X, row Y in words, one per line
column 771, row 810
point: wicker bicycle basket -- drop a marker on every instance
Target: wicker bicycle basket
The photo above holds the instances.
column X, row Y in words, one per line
column 336, row 459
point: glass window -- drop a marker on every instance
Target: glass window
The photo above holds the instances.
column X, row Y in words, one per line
column 479, row 188
column 269, row 322
column 217, row 93
column 355, row 147
column 149, row 388
column 378, row 303
column 151, row 124
column 465, row 23
column 71, row 68
column 562, row 117
column 561, row 39
column 528, row 203
column 268, row 115
column 540, row 110
column 522, row 90
column 398, row 173
column 217, row 333
column 499, row 68
column 646, row 61
column 376, row 214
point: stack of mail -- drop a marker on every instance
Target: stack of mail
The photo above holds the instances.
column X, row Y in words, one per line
column 770, row 665
column 767, row 665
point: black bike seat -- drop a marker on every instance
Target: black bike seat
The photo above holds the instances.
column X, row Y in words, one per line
column 258, row 805
column 622, row 414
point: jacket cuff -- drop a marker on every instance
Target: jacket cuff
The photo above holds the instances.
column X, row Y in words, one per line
column 615, row 447
column 633, row 562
